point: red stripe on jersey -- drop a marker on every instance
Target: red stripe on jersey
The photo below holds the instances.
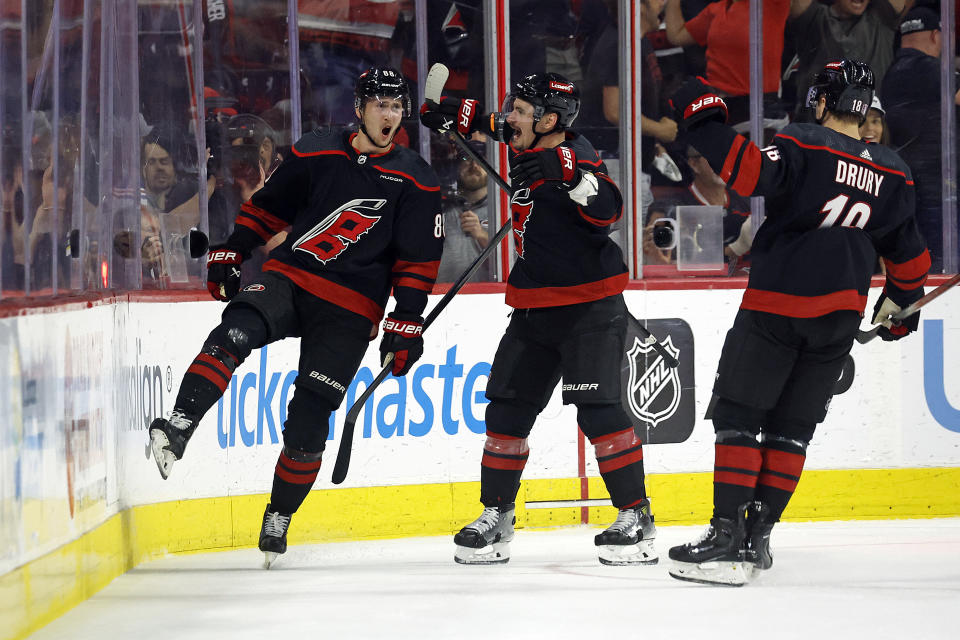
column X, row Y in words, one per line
column 784, row 304
column 784, row 484
column 910, row 274
column 504, row 464
column 749, row 171
column 730, row 477
column 216, row 364
column 845, row 155
column 426, row 269
column 209, row 374
column 620, row 461
column 731, row 158
column 254, row 225
column 408, row 177
column 268, row 219
column 599, row 222
column 329, row 291
column 413, row 283
column 294, row 465
column 783, row 462
column 559, row 296
column 295, row 478
column 737, row 457
column 332, row 152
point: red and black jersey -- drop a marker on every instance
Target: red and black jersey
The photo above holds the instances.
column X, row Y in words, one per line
column 833, row 203
column 564, row 251
column 360, row 223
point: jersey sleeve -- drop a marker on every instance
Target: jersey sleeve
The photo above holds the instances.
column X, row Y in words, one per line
column 607, row 207
column 904, row 253
column 743, row 166
column 273, row 207
column 418, row 243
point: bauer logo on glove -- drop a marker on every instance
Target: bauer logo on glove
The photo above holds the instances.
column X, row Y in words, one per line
column 695, row 102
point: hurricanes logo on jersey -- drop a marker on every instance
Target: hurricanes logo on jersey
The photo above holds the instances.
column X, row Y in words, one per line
column 521, row 206
column 331, row 236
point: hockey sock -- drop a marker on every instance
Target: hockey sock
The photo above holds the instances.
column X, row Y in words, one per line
column 736, row 467
column 620, row 458
column 205, row 380
column 782, row 465
column 293, row 478
column 504, row 458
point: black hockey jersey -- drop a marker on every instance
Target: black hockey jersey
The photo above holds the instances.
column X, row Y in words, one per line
column 360, row 223
column 833, row 203
column 564, row 252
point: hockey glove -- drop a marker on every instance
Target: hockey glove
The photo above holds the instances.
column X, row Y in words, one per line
column 696, row 102
column 559, row 163
column 223, row 272
column 403, row 337
column 451, row 113
column 891, row 330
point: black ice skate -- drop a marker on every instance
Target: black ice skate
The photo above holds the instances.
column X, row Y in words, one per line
column 168, row 439
column 273, row 535
column 716, row 558
column 486, row 540
column 629, row 540
column 757, row 544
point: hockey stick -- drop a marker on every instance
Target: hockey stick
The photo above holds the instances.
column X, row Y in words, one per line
column 438, row 74
column 864, row 337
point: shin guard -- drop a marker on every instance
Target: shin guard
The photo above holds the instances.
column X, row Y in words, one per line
column 620, row 458
column 504, row 458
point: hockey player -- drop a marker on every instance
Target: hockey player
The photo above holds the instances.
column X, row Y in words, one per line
column 569, row 321
column 833, row 203
column 365, row 217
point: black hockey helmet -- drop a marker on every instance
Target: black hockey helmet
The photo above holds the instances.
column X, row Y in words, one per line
column 382, row 82
column 547, row 92
column 847, row 86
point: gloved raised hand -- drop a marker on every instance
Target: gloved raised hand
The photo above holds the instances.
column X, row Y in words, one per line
column 536, row 165
column 223, row 272
column 695, row 102
column 891, row 330
column 451, row 113
column 403, row 337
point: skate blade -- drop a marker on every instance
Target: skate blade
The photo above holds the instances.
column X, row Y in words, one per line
column 617, row 555
column 269, row 559
column 497, row 553
column 719, row 573
column 163, row 457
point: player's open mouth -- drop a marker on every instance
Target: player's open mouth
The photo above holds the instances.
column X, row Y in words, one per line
column 385, row 131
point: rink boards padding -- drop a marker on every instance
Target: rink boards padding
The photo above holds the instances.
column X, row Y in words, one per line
column 80, row 502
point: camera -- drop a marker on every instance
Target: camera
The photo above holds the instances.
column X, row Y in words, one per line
column 665, row 233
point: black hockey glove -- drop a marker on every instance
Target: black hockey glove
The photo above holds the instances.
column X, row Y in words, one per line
column 450, row 113
column 223, row 272
column 695, row 102
column 891, row 330
column 403, row 337
column 559, row 163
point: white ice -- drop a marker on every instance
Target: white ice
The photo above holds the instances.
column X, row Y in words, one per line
column 852, row 580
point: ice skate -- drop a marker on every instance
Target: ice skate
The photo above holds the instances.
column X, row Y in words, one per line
column 273, row 535
column 168, row 439
column 486, row 540
column 629, row 540
column 716, row 558
column 757, row 544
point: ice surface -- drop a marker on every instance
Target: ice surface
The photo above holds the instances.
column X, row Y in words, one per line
column 850, row 580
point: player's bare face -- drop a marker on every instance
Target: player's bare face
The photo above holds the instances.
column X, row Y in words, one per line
column 520, row 120
column 381, row 119
column 872, row 127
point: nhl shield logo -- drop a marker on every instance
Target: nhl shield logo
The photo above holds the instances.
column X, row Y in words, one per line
column 653, row 394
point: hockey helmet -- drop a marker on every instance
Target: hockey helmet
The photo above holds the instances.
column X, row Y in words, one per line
column 847, row 86
column 548, row 93
column 382, row 82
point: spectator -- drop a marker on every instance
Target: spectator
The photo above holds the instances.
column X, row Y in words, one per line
column 873, row 129
column 724, row 29
column 911, row 94
column 599, row 117
column 855, row 29
column 657, row 212
column 163, row 187
column 465, row 222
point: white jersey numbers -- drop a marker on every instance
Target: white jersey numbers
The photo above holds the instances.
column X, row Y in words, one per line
column 838, row 215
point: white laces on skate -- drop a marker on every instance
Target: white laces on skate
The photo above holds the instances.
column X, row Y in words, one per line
column 180, row 420
column 275, row 524
column 626, row 522
column 487, row 520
